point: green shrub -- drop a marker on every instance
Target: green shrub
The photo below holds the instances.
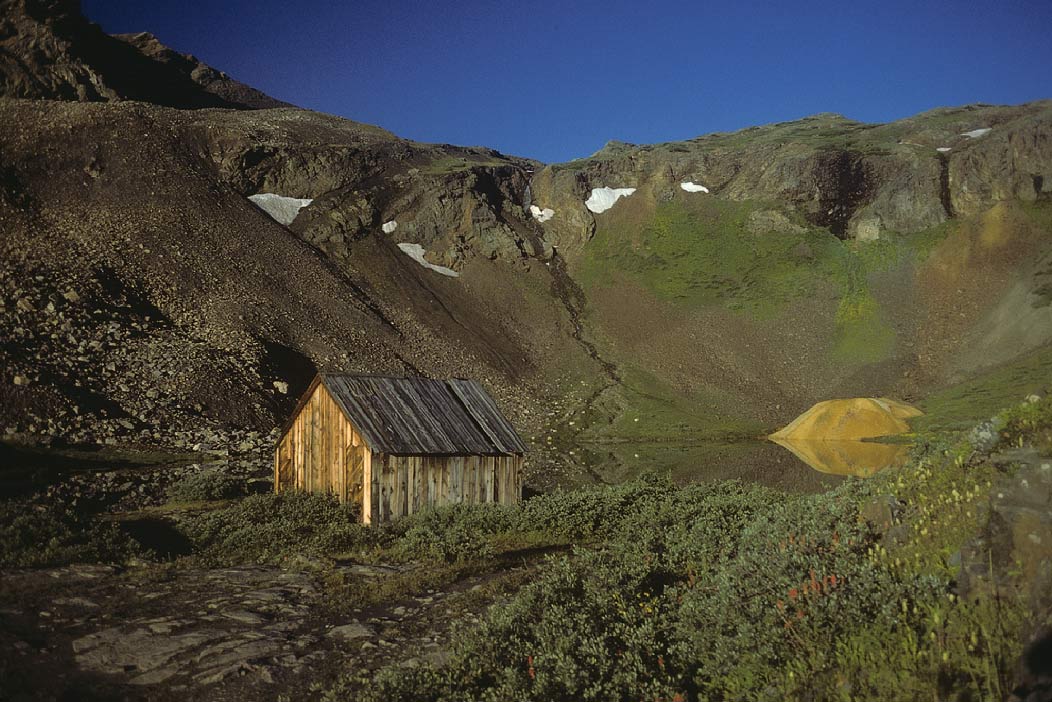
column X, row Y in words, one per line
column 589, row 513
column 455, row 533
column 1030, row 419
column 276, row 528
column 35, row 535
column 206, row 485
column 731, row 592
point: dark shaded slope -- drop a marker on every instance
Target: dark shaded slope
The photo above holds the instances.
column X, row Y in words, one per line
column 210, row 79
column 147, row 299
column 49, row 50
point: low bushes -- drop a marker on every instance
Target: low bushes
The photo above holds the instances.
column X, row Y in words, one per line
column 34, row 535
column 735, row 592
column 276, row 528
column 206, row 485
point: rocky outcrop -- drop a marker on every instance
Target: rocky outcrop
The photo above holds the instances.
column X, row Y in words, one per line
column 476, row 211
column 213, row 81
column 1012, row 161
column 455, row 201
column 856, row 180
column 49, row 50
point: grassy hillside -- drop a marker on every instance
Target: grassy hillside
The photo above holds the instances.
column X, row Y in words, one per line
column 742, row 317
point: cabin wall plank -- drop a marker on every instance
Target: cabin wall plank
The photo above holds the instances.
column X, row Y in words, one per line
column 403, row 487
column 387, row 479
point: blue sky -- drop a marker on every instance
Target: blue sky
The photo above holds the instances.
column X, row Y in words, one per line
column 557, row 80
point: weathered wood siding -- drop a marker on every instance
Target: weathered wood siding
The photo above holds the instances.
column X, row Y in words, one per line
column 322, row 452
column 403, row 485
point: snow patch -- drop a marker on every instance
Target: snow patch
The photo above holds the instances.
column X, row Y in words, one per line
column 692, row 187
column 416, row 252
column 602, row 199
column 541, row 215
column 281, row 208
column 389, row 227
column 976, row 133
column 943, row 149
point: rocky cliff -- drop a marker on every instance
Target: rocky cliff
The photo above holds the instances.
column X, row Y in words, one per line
column 856, row 180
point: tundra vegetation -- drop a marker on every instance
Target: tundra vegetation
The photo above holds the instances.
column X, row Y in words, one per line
column 732, row 591
column 652, row 590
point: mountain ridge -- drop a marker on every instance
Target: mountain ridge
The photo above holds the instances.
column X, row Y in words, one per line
column 49, row 50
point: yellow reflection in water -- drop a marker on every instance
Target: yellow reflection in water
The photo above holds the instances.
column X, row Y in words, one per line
column 858, row 458
column 828, row 436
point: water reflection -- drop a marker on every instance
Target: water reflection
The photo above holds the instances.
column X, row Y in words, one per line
column 858, row 458
column 835, row 436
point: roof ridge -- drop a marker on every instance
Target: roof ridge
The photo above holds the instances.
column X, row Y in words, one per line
column 413, row 414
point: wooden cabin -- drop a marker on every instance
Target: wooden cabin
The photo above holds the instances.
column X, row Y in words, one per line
column 396, row 446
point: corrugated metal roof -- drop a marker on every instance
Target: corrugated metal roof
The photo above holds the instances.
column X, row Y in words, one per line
column 423, row 416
